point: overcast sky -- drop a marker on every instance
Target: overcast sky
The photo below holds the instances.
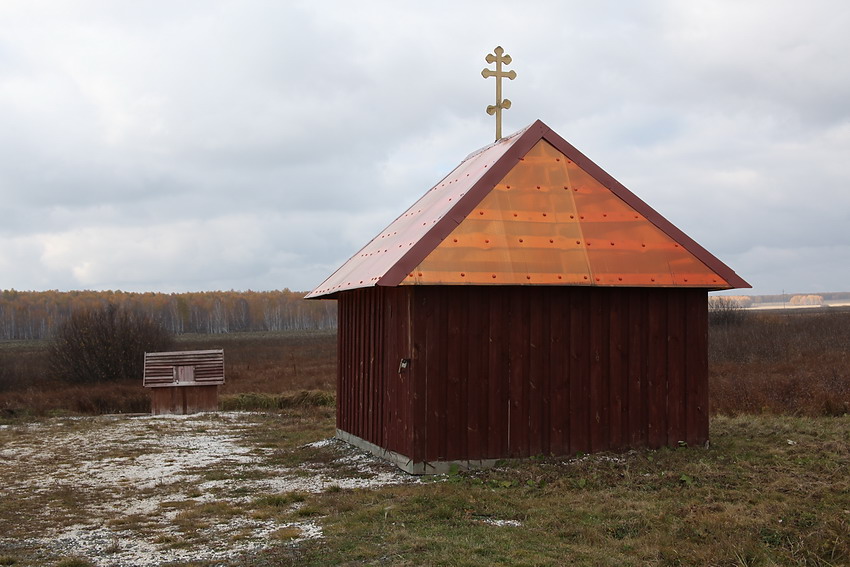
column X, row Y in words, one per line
column 188, row 146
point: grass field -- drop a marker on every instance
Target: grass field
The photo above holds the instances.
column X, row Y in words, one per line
column 253, row 491
column 772, row 489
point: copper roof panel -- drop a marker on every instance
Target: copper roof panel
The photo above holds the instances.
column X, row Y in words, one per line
column 549, row 222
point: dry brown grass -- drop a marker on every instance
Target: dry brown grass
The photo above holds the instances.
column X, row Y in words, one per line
column 21, row 363
column 49, row 398
column 795, row 363
column 273, row 362
column 256, row 363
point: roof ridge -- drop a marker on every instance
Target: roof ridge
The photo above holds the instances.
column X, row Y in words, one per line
column 392, row 256
column 499, row 141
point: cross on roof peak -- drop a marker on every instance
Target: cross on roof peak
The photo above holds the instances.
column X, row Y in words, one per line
column 499, row 57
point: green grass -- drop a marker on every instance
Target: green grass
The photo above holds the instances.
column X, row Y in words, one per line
column 254, row 401
column 770, row 491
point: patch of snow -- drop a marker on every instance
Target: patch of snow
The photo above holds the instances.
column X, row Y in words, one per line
column 130, row 466
column 320, row 483
column 496, row 522
column 110, row 548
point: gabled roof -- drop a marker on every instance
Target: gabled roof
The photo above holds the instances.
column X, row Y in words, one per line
column 531, row 209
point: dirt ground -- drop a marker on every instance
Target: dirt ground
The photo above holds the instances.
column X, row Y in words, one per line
column 145, row 491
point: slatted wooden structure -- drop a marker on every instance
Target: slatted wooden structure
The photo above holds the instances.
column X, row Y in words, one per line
column 527, row 304
column 184, row 382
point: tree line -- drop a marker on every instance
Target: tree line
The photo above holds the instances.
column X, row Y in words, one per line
column 33, row 315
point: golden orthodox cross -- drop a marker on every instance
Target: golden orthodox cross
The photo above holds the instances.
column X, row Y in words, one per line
column 499, row 59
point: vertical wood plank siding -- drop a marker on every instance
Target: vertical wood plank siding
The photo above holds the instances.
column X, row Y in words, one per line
column 183, row 400
column 518, row 371
column 374, row 400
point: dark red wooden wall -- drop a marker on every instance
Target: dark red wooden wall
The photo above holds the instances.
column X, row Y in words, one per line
column 374, row 399
column 517, row 371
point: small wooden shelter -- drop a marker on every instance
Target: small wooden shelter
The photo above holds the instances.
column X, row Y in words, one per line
column 527, row 304
column 184, row 382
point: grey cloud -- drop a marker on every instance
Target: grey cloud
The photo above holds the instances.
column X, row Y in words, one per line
column 202, row 145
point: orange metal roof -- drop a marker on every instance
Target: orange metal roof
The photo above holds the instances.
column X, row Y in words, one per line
column 531, row 209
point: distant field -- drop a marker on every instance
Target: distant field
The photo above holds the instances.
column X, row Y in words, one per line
column 774, row 305
column 262, row 362
column 793, row 361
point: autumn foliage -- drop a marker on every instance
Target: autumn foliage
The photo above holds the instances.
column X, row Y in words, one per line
column 34, row 315
column 105, row 344
column 806, row 300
